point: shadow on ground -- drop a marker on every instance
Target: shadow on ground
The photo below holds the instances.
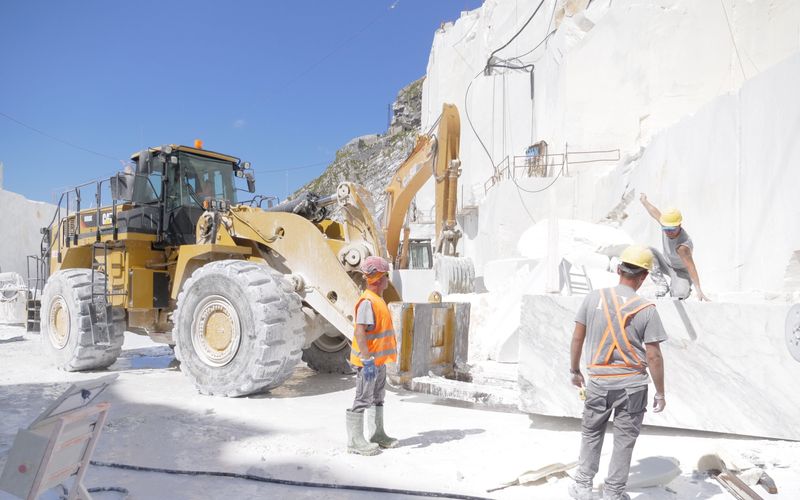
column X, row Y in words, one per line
column 427, row 438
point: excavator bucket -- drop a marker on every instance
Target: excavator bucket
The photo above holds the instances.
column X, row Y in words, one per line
column 454, row 274
column 432, row 338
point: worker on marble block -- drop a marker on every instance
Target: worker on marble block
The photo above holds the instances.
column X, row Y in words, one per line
column 676, row 261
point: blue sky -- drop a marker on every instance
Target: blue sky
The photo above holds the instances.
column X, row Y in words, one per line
column 280, row 84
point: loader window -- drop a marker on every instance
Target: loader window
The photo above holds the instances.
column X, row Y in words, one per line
column 205, row 178
column 147, row 189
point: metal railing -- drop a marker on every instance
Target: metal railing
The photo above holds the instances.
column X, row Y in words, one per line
column 546, row 165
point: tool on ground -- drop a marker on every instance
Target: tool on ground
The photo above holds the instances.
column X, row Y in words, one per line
column 538, row 476
column 767, row 483
column 714, row 466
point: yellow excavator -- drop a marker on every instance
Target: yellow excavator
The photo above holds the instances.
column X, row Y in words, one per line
column 241, row 291
column 437, row 156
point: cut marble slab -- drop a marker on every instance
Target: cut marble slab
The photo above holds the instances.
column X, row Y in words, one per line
column 727, row 368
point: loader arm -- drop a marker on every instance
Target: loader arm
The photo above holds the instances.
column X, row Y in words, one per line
column 321, row 259
column 298, row 248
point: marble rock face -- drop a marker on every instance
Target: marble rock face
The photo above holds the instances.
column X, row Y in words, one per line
column 727, row 367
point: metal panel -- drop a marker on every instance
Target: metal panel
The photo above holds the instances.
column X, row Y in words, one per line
column 23, row 463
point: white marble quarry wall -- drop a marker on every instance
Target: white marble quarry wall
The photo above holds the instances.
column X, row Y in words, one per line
column 663, row 82
column 611, row 76
column 727, row 367
column 20, row 222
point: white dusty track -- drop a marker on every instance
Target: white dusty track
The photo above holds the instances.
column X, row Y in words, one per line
column 297, row 432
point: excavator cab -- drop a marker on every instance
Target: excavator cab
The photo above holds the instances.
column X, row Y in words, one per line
column 420, row 253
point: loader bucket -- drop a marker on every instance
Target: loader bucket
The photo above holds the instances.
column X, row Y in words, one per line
column 431, row 338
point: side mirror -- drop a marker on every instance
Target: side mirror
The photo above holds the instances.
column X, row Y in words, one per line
column 251, row 182
column 143, row 167
column 122, row 186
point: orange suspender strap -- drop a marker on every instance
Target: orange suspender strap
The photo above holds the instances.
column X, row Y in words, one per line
column 622, row 323
column 610, row 329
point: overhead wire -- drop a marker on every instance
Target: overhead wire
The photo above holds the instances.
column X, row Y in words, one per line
column 288, row 83
column 518, row 32
column 54, row 138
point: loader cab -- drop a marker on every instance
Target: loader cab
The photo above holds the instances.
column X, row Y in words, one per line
column 174, row 182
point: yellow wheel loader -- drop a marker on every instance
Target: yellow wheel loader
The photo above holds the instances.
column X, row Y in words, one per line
column 239, row 290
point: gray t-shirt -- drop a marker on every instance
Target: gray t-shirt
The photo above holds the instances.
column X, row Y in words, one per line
column 364, row 314
column 671, row 248
column 645, row 327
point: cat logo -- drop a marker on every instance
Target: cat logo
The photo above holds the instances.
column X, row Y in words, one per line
column 107, row 219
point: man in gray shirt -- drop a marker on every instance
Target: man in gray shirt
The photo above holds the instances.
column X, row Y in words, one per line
column 677, row 261
column 618, row 334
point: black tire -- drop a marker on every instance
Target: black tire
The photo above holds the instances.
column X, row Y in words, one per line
column 321, row 356
column 66, row 323
column 238, row 328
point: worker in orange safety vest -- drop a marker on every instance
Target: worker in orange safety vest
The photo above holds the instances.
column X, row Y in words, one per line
column 374, row 345
column 619, row 334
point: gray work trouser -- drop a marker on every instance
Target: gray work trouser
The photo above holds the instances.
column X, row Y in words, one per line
column 628, row 406
column 680, row 284
column 369, row 393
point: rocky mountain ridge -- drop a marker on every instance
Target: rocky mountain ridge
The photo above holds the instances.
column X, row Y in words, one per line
column 370, row 160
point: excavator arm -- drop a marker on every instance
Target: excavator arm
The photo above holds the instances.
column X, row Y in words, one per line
column 433, row 155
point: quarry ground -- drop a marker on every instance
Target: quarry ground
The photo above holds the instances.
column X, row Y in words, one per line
column 158, row 419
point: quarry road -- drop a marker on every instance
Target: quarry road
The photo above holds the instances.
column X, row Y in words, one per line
column 297, row 432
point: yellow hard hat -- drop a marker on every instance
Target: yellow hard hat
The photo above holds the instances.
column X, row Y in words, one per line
column 639, row 256
column 671, row 217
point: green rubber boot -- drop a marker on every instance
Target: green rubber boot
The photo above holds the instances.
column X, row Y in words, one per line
column 355, row 436
column 375, row 428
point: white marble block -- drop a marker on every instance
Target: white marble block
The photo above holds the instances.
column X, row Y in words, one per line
column 727, row 367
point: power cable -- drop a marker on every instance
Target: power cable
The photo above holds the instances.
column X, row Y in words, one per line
column 54, row 138
column 518, row 32
column 539, row 190
column 471, row 126
column 287, row 482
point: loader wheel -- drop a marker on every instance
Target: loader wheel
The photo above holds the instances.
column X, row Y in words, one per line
column 329, row 355
column 238, row 328
column 66, row 324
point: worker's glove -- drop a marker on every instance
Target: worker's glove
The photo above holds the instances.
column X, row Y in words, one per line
column 370, row 371
column 659, row 403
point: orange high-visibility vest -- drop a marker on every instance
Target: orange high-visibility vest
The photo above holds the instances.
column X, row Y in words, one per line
column 381, row 342
column 604, row 364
